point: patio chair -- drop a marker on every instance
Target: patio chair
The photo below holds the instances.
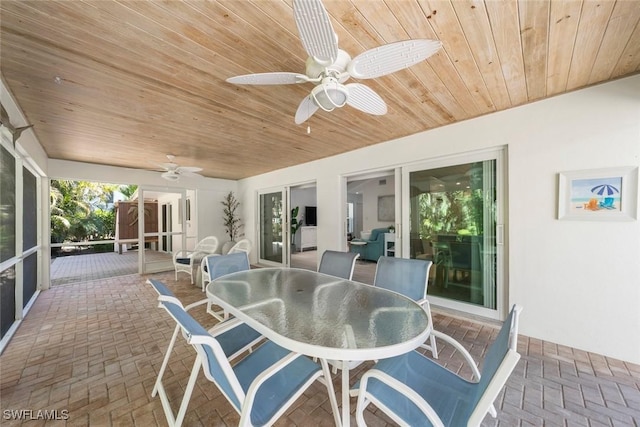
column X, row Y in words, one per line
column 218, row 266
column 260, row 387
column 410, row 278
column 204, row 270
column 407, row 277
column 184, row 261
column 234, row 337
column 338, row 264
column 414, row 390
column 243, row 245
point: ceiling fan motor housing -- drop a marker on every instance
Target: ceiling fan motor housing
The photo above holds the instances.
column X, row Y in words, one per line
column 315, row 69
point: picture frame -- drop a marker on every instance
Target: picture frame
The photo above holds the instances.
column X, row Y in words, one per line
column 386, row 208
column 608, row 194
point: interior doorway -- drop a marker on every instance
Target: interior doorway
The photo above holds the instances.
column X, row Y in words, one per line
column 370, row 212
column 304, row 226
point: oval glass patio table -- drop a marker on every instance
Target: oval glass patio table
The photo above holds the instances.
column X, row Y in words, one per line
column 323, row 316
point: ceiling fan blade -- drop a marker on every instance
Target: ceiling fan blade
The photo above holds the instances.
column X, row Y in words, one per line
column 392, row 57
column 188, row 169
column 365, row 99
column 316, row 31
column 188, row 173
column 305, row 110
column 277, row 78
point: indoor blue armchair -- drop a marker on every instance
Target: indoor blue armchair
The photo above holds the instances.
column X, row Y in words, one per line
column 374, row 248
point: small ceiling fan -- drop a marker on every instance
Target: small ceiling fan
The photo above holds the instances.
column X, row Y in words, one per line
column 328, row 67
column 173, row 172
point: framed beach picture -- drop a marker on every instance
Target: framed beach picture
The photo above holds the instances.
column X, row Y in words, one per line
column 599, row 194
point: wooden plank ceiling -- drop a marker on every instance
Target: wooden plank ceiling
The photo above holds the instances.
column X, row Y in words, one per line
column 126, row 82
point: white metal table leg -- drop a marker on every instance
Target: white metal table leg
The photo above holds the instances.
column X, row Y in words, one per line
column 332, row 396
column 346, row 415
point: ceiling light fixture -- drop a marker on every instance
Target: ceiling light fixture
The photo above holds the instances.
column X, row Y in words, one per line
column 171, row 176
column 330, row 94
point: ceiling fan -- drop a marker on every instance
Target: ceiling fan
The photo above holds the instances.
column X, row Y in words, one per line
column 328, row 67
column 173, row 172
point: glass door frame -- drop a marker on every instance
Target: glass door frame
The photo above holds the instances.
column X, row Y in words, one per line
column 286, row 226
column 499, row 155
column 144, row 266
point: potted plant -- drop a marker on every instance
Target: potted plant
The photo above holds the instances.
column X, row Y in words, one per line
column 231, row 220
column 392, row 229
column 295, row 226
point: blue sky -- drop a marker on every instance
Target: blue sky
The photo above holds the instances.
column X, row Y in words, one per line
column 581, row 188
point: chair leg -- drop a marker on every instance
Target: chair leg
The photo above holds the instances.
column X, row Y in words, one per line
column 165, row 362
column 187, row 393
column 216, row 314
column 434, row 347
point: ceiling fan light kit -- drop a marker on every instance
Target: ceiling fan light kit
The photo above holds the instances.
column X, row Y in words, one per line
column 329, row 67
column 329, row 95
column 171, row 176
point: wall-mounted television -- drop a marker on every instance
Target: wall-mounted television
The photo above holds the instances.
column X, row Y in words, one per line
column 310, row 215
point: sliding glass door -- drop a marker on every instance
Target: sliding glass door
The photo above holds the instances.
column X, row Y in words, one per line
column 453, row 217
column 274, row 236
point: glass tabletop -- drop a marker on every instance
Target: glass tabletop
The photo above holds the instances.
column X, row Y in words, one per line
column 321, row 315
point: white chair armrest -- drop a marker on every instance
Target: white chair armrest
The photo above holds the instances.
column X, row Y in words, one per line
column 465, row 353
column 226, row 326
column 195, row 304
column 174, row 300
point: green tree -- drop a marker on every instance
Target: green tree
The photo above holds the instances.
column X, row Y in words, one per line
column 128, row 190
column 81, row 210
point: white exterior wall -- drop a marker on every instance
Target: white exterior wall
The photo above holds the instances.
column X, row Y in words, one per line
column 579, row 281
column 210, row 221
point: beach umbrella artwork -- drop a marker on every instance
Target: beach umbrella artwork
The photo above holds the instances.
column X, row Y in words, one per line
column 606, row 191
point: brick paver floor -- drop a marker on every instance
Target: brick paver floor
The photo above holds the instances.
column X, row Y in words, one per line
column 94, row 349
column 88, row 267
